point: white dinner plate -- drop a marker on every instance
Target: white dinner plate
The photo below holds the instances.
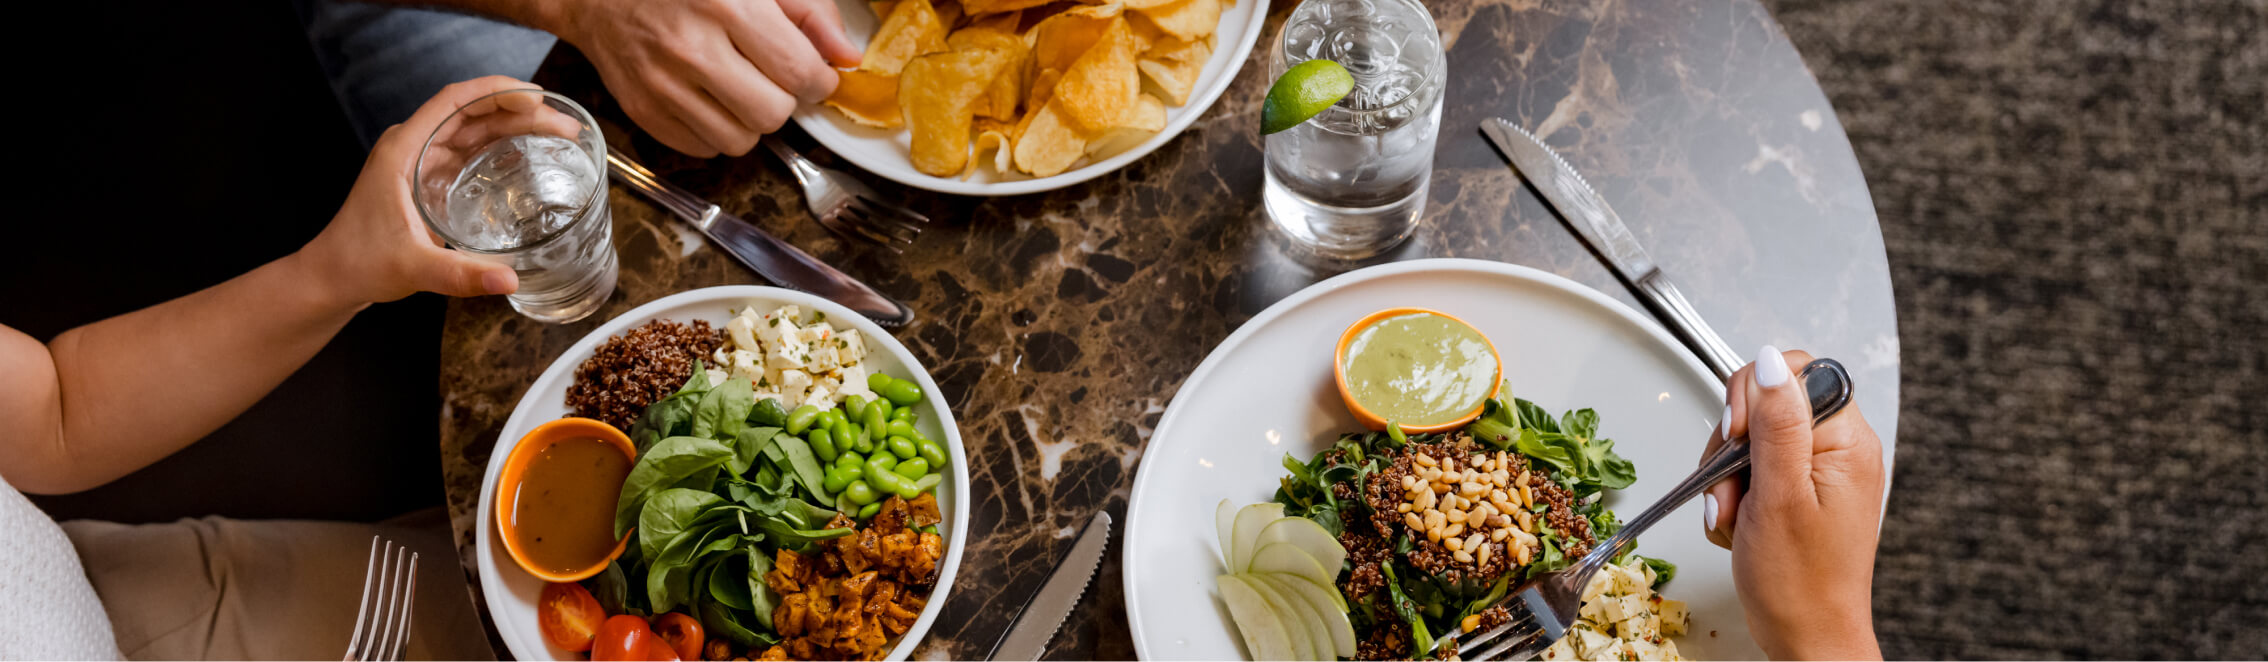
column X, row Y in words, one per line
column 511, row 591
column 888, row 152
column 1268, row 390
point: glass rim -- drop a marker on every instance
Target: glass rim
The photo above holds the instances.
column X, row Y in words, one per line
column 1442, row 62
column 598, row 162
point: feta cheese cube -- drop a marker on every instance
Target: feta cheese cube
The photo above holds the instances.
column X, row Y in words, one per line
column 787, row 353
column 1674, row 616
column 793, row 385
column 820, row 396
column 1591, row 643
column 745, row 364
column 1564, row 649
column 762, row 395
column 742, row 330
column 1621, row 608
column 717, row 375
column 1597, row 586
column 1594, row 610
column 825, row 353
column 854, row 382
column 853, row 346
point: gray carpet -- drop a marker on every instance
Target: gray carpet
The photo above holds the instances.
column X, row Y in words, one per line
column 2074, row 196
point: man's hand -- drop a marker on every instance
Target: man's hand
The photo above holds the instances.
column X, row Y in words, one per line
column 710, row 77
column 1803, row 525
column 377, row 248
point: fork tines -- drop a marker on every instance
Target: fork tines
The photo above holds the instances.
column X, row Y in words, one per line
column 1519, row 637
column 382, row 618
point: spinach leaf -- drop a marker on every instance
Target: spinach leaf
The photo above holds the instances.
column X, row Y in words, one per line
column 673, row 414
column 670, row 514
column 761, row 599
column 1421, row 637
column 669, row 582
column 1612, row 470
column 1534, row 417
column 769, row 413
column 670, row 463
column 1581, row 424
column 720, row 620
column 612, row 589
column 1546, row 449
column 1663, row 570
column 728, row 583
column 794, row 456
column 749, row 445
column 724, row 410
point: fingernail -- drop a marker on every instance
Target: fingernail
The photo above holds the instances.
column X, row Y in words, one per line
column 1771, row 368
column 499, row 281
column 1724, row 424
column 1708, row 511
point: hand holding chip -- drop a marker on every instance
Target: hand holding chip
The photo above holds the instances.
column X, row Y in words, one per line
column 710, row 77
column 1803, row 525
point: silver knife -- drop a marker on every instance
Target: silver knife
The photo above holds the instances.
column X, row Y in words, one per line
column 1036, row 625
column 1568, row 195
column 775, row 260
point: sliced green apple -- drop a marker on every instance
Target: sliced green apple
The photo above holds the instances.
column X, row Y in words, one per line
column 1287, row 559
column 1263, row 631
column 1249, row 523
column 1328, row 606
column 1311, row 623
column 1224, row 528
column 1299, row 626
column 1304, row 534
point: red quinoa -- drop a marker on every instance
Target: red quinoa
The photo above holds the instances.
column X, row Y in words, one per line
column 632, row 371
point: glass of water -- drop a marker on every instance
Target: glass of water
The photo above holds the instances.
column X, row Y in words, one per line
column 519, row 177
column 1350, row 183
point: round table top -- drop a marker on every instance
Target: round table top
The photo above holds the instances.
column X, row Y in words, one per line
column 1060, row 324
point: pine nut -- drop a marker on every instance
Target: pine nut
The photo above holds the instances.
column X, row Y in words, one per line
column 1440, row 487
column 1498, row 495
column 1502, row 507
column 1448, row 464
column 1527, row 523
column 1412, row 520
column 1481, row 559
column 1402, row 507
column 1524, row 556
column 1434, row 519
column 1499, row 534
column 1488, row 465
column 1452, row 530
column 1426, row 499
column 1527, row 498
column 1453, row 544
column 1525, row 539
column 1477, row 460
column 1462, row 557
column 1409, row 482
column 1501, row 522
column 1473, row 541
column 1501, row 476
column 1451, row 476
column 1424, row 459
column 1456, row 517
column 1433, row 535
column 1523, row 480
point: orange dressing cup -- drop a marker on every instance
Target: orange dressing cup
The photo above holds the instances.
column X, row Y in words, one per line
column 1373, row 421
column 516, row 471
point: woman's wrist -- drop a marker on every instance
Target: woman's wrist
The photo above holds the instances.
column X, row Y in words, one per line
column 318, row 278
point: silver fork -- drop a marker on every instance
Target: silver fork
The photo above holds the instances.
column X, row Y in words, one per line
column 845, row 205
column 382, row 619
column 1542, row 609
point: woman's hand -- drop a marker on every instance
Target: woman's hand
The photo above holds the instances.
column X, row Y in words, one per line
column 1803, row 525
column 711, row 76
column 378, row 248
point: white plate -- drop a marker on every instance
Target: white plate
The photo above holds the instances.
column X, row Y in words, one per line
column 1268, row 390
column 511, row 591
column 887, row 152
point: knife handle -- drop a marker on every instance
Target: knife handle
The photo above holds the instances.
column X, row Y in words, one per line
column 1669, row 306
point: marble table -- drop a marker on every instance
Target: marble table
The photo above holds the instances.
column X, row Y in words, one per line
column 1059, row 325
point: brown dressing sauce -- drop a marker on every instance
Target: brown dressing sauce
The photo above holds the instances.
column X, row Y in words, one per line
column 563, row 514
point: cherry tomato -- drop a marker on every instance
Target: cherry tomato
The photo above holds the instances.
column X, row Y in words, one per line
column 626, row 637
column 569, row 615
column 683, row 634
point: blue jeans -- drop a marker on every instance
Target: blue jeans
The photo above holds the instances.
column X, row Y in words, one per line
column 385, row 61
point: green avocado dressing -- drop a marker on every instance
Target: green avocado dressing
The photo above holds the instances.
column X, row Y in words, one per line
column 1419, row 369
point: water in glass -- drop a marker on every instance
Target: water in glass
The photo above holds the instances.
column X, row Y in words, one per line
column 529, row 201
column 1350, row 183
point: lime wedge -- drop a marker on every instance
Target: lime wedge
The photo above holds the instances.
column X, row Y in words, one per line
column 1303, row 92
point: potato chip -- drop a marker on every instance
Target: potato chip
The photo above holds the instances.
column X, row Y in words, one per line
column 1043, row 85
column 937, row 93
column 881, row 7
column 1187, row 20
column 992, row 138
column 1007, row 88
column 1059, row 40
column 948, row 13
column 1147, row 120
column 912, row 30
column 1048, row 145
column 868, row 98
column 982, row 7
column 1171, row 68
column 1099, row 90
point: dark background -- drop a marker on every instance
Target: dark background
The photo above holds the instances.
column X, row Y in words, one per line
column 2073, row 195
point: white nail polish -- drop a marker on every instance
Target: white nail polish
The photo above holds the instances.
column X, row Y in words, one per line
column 1724, row 425
column 1771, row 368
column 1708, row 511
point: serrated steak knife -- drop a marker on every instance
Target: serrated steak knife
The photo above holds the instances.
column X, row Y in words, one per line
column 1036, row 625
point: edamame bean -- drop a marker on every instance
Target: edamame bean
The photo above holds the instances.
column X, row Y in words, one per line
column 851, row 457
column 827, row 418
column 931, row 451
column 912, row 469
column 836, row 480
column 843, row 502
column 853, row 472
column 801, row 419
column 928, row 483
column 861, row 493
column 854, row 407
column 876, row 381
column 861, row 440
column 893, row 484
column 905, row 449
column 880, row 463
column 906, row 429
column 905, row 413
column 869, row 511
column 844, row 436
column 900, row 391
column 930, row 529
column 822, row 444
column 876, row 421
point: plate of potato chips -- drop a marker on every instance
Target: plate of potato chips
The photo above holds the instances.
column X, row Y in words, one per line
column 1005, row 97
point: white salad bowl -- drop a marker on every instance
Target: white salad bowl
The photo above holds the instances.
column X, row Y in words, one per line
column 511, row 592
